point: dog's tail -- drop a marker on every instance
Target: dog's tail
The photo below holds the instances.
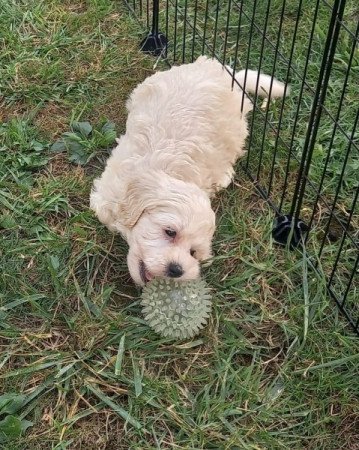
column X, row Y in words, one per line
column 248, row 80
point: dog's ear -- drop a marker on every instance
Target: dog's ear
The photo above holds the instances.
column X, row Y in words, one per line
column 141, row 195
column 120, row 201
column 105, row 204
column 119, row 205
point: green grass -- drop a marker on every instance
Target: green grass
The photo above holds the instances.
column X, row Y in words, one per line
column 277, row 366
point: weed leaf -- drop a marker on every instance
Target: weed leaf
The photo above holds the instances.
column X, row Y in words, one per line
column 108, row 126
column 69, row 136
column 77, row 153
column 11, row 427
column 84, row 128
column 108, row 132
column 58, row 146
column 10, row 403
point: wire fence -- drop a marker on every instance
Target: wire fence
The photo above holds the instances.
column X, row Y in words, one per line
column 303, row 154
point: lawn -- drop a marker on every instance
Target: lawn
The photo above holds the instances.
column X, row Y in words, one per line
column 277, row 366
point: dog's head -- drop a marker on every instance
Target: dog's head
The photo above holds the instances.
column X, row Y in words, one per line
column 172, row 230
column 168, row 223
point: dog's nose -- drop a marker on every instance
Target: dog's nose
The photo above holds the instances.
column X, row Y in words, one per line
column 174, row 270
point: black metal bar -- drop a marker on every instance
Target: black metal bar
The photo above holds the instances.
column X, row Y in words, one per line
column 261, row 191
column 205, row 27
column 337, row 259
column 167, row 18
column 234, row 68
column 354, row 324
column 297, row 20
column 329, row 151
column 269, row 97
column 215, row 29
column 313, row 124
column 175, row 31
column 148, row 13
column 184, row 32
column 339, row 187
column 299, row 101
column 248, row 156
column 155, row 43
column 341, row 21
column 354, row 272
column 248, row 54
column 290, row 153
column 155, row 13
column 345, row 295
column 194, row 29
column 226, row 32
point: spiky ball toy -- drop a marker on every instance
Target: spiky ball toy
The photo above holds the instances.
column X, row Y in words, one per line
column 176, row 309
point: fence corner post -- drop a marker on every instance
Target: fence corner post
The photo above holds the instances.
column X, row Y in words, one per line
column 155, row 43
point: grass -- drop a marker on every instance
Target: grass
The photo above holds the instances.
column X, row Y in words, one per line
column 276, row 368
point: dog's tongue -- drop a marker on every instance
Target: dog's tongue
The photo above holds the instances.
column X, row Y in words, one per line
column 145, row 274
column 148, row 275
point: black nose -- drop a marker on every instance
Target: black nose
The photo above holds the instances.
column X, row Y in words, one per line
column 174, row 270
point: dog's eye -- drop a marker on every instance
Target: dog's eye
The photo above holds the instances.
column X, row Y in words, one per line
column 170, row 233
column 193, row 252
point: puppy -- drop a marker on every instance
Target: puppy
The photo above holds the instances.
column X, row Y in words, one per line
column 186, row 128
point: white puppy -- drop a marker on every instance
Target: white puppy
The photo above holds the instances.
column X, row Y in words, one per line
column 185, row 130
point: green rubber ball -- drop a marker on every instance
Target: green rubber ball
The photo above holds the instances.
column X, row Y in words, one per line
column 176, row 309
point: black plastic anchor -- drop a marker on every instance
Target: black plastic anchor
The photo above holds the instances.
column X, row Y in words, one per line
column 155, row 43
column 288, row 230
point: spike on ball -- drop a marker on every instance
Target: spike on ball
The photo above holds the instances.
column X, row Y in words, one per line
column 176, row 309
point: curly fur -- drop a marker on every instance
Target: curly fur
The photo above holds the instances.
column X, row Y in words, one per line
column 186, row 128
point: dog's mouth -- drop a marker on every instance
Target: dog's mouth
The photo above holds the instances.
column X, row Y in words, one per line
column 145, row 275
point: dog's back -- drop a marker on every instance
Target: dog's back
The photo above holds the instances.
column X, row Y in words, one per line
column 191, row 112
